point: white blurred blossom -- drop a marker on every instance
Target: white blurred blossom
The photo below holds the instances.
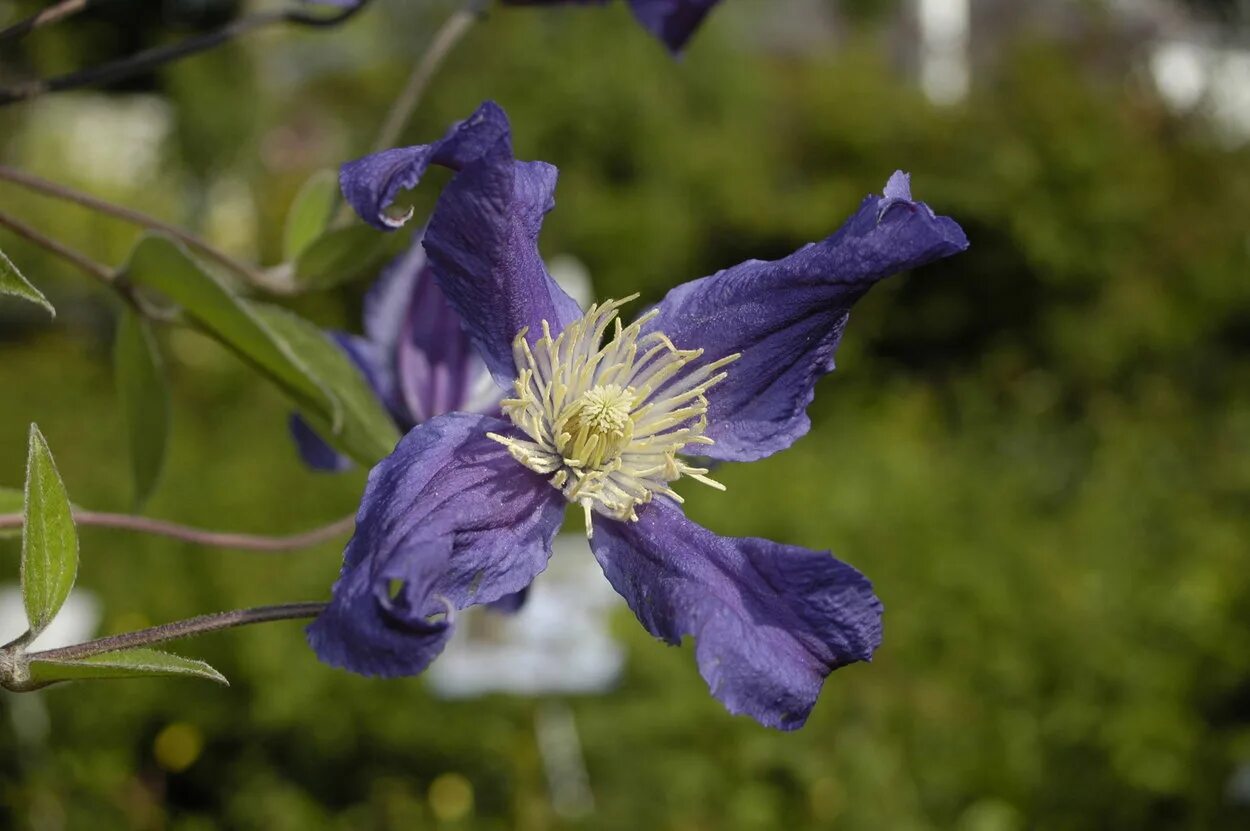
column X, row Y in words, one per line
column 75, row 623
column 558, row 643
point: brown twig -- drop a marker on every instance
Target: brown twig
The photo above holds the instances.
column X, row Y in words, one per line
column 50, row 15
column 78, row 259
column 200, row 536
column 251, row 273
column 160, row 55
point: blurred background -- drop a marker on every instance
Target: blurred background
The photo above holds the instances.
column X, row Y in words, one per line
column 1039, row 450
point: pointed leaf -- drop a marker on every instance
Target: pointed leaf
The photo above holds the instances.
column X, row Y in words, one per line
column 12, row 282
column 162, row 264
column 49, row 538
column 144, row 398
column 310, row 212
column 127, row 663
column 322, row 382
column 13, row 501
column 368, row 433
column 341, row 255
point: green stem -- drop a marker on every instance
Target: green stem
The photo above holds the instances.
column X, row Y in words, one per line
column 405, row 105
column 445, row 39
column 181, row 629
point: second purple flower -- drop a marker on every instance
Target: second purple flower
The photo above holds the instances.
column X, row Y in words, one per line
column 673, row 22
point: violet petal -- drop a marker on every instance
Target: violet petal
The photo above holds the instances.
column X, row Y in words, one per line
column 448, row 520
column 370, row 184
column 770, row 621
column 674, row 22
column 786, row 318
column 483, row 243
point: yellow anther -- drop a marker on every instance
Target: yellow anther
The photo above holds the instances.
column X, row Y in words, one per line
column 606, row 423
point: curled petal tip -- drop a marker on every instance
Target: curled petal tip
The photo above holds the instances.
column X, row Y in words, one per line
column 898, row 186
column 450, row 613
column 370, row 184
column 786, row 318
column 397, row 220
column 897, row 191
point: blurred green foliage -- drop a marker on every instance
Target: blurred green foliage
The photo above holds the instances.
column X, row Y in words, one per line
column 1037, row 450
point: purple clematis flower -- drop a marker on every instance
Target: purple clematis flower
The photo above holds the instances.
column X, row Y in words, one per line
column 672, row 21
column 604, row 415
column 415, row 355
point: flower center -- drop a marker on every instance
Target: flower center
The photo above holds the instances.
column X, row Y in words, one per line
column 606, row 423
column 598, row 426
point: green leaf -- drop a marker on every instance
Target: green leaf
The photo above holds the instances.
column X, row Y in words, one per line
column 12, row 282
column 368, row 433
column 144, row 400
column 162, row 264
column 341, row 255
column 321, row 380
column 310, row 213
column 49, row 538
column 13, row 501
column 127, row 663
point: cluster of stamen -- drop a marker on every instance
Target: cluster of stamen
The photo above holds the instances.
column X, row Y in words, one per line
column 605, row 423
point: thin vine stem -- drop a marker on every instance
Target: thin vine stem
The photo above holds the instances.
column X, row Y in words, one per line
column 70, row 255
column 441, row 46
column 405, row 105
column 251, row 273
column 158, row 56
column 50, row 15
column 200, row 536
column 182, row 629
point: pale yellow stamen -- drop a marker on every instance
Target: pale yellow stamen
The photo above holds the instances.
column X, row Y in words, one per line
column 605, row 424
